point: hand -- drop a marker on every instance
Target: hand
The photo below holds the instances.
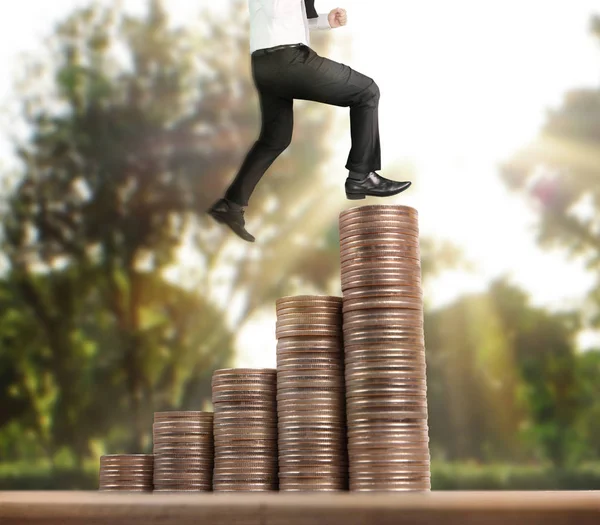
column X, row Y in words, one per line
column 337, row 17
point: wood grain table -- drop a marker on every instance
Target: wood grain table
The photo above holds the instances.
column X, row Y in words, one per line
column 439, row 508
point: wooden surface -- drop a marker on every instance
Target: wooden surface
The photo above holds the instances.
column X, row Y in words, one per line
column 445, row 508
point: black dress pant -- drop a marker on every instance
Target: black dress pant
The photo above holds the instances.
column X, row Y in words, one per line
column 300, row 73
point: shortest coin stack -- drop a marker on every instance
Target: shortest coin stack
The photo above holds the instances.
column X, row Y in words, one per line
column 245, row 429
column 183, row 451
column 126, row 472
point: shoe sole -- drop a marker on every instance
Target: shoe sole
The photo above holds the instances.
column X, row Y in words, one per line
column 220, row 220
column 359, row 196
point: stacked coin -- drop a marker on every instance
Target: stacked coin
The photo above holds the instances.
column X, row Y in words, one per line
column 310, row 394
column 126, row 472
column 183, row 451
column 245, row 429
column 386, row 395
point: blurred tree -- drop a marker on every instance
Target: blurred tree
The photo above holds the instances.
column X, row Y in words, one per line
column 588, row 425
column 136, row 126
column 498, row 367
column 560, row 173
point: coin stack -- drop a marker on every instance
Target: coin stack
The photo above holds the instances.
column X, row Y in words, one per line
column 183, row 451
column 126, row 472
column 384, row 349
column 310, row 394
column 245, row 429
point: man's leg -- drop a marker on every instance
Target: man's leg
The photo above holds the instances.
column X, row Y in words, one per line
column 275, row 136
column 308, row 76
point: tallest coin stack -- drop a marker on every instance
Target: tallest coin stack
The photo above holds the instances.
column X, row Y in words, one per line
column 384, row 349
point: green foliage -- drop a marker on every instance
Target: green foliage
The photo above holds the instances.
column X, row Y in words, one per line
column 559, row 172
column 468, row 476
column 444, row 476
column 136, row 126
column 502, row 374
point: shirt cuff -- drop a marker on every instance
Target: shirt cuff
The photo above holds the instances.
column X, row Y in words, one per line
column 319, row 23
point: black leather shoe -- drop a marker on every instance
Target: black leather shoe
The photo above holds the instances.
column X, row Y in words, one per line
column 374, row 185
column 232, row 216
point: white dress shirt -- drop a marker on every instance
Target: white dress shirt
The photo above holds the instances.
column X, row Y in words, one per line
column 279, row 22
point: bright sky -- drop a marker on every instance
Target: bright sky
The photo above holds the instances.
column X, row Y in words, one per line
column 464, row 84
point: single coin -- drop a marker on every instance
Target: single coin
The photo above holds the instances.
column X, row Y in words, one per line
column 395, row 353
column 183, row 435
column 243, row 404
column 415, row 361
column 379, row 260
column 245, row 453
column 243, row 372
column 306, row 332
column 380, row 214
column 204, row 451
column 396, row 371
column 309, row 345
column 336, row 368
column 383, row 416
column 388, row 241
column 259, row 414
column 381, row 437
column 378, row 210
column 127, row 458
column 372, row 278
column 376, row 282
column 398, row 265
column 236, row 422
column 316, row 372
column 406, row 270
column 380, row 440
column 369, row 382
column 190, row 461
column 309, row 309
column 329, row 320
column 237, row 395
column 309, row 318
column 244, row 487
column 376, row 336
column 383, row 302
column 401, row 350
column 354, row 364
column 332, row 331
column 308, row 299
column 309, row 359
column 377, row 253
column 110, row 468
column 369, row 233
column 380, row 291
column 241, row 469
column 381, row 241
column 358, row 405
column 306, row 417
column 185, row 414
column 122, row 471
column 309, row 355
column 125, row 478
column 384, row 218
column 328, row 398
column 187, row 433
column 386, row 392
column 388, row 424
column 236, row 385
column 365, row 227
